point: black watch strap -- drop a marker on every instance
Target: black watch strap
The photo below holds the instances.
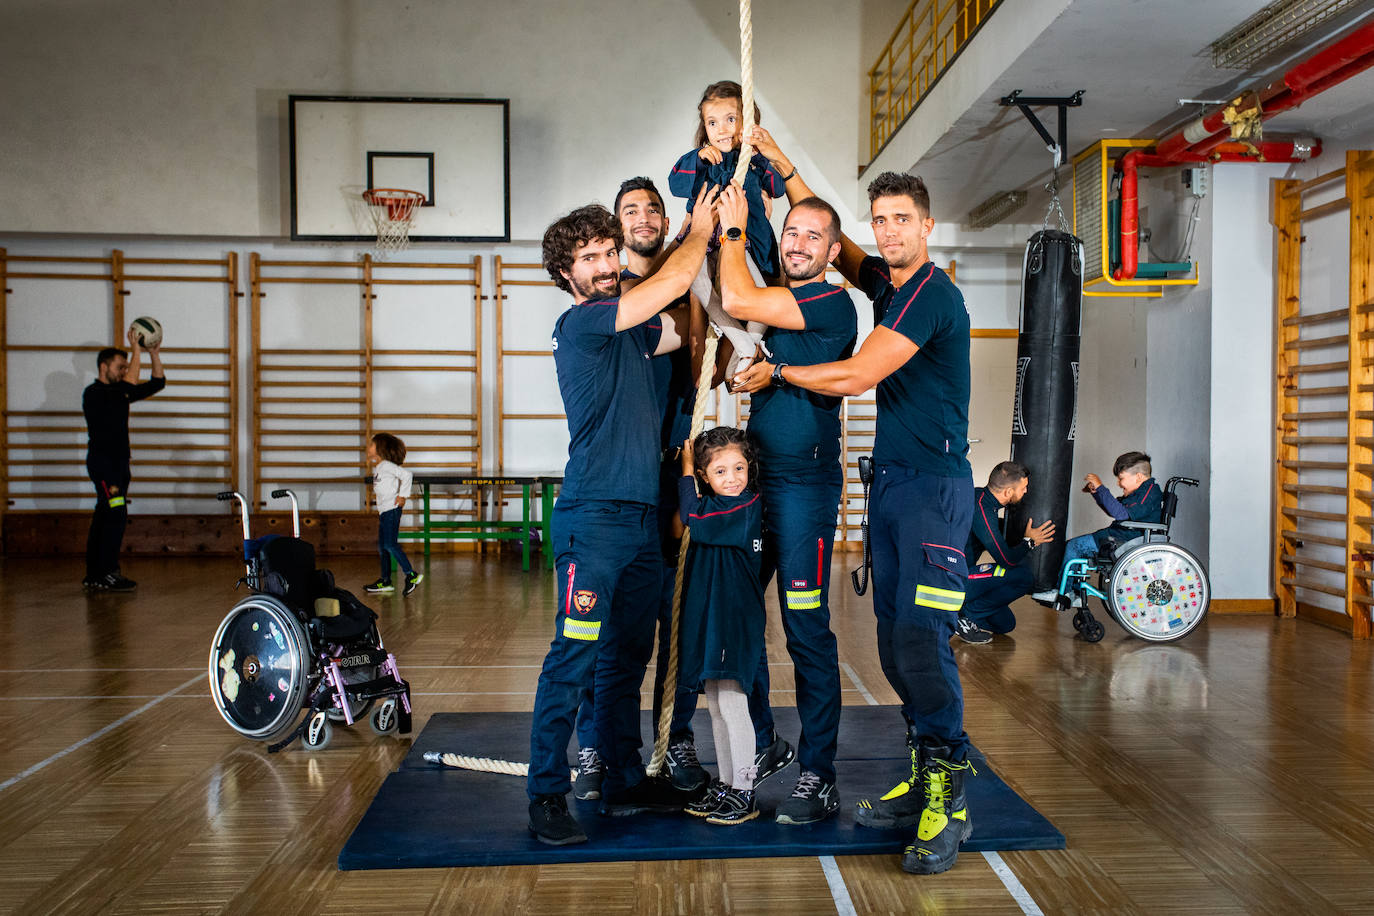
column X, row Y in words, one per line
column 777, row 375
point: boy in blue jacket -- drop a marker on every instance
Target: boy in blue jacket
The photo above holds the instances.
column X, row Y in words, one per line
column 1142, row 500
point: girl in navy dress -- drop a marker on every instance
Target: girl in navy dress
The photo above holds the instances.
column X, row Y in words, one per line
column 721, row 625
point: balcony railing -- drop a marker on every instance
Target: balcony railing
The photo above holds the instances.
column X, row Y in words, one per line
column 926, row 41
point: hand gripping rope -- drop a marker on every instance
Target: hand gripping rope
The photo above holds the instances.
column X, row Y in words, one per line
column 708, row 365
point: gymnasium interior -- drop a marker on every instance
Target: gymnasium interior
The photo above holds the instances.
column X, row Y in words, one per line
column 209, row 165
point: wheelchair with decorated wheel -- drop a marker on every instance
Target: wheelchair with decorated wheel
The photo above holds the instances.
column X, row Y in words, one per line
column 300, row 643
column 1152, row 587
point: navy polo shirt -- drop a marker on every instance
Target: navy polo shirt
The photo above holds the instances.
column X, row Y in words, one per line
column 795, row 428
column 673, row 384
column 607, row 383
column 923, row 406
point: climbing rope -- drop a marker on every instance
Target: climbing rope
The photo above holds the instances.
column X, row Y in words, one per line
column 746, row 63
column 669, row 696
column 708, row 367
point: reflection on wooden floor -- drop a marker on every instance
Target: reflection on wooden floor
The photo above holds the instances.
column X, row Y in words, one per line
column 1231, row 773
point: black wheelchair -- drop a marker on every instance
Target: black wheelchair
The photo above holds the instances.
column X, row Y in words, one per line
column 300, row 643
column 1152, row 587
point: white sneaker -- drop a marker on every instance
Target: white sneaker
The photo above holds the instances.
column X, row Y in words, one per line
column 1046, row 597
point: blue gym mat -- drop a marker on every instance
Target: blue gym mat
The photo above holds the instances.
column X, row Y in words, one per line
column 430, row 816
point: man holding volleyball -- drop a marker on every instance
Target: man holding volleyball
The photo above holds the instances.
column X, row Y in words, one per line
column 105, row 403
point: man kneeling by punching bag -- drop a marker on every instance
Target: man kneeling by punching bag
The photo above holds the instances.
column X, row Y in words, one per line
column 992, row 587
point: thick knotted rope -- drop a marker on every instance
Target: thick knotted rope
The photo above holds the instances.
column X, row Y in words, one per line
column 669, row 696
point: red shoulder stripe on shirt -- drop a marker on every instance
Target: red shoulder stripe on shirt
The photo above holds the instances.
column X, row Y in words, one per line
column 829, row 292
column 726, row 511
column 914, row 295
column 996, row 541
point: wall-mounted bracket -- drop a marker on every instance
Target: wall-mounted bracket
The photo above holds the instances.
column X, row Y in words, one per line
column 1024, row 102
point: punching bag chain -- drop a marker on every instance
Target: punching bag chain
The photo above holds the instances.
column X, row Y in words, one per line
column 1055, row 208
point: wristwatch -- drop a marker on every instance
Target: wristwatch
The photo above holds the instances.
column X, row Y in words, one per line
column 733, row 234
column 1030, row 543
column 777, row 375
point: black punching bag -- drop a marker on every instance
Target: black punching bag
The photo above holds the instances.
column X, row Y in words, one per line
column 1045, row 414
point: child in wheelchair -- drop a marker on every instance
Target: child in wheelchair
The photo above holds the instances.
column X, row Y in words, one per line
column 1141, row 500
column 1155, row 589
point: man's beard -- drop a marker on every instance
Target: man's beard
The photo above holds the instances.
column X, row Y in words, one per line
column 644, row 248
column 806, row 271
column 592, row 291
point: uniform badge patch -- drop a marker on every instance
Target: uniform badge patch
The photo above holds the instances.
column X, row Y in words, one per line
column 799, row 583
column 584, row 600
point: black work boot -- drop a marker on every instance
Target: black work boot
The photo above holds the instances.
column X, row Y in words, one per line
column 945, row 821
column 902, row 805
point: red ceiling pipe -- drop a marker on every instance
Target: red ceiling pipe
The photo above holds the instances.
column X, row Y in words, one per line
column 1320, row 72
column 1272, row 151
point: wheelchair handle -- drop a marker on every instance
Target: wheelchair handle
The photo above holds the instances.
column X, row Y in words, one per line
column 243, row 507
column 295, row 510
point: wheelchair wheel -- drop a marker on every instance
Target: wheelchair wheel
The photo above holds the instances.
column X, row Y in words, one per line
column 260, row 668
column 1093, row 630
column 1159, row 591
column 384, row 720
column 318, row 731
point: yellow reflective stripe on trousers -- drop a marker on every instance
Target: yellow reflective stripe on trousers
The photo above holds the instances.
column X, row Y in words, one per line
column 943, row 599
column 589, row 630
column 804, row 601
column 116, row 502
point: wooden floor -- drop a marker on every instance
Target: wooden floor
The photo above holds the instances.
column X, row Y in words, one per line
column 1232, row 773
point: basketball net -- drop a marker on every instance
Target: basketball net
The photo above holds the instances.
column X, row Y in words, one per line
column 392, row 211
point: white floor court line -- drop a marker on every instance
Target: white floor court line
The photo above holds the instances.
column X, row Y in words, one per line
column 1013, row 884
column 858, row 684
column 97, row 734
column 838, row 889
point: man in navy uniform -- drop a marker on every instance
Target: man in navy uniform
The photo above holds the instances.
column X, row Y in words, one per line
column 639, row 207
column 105, row 404
column 797, row 433
column 918, row 357
column 605, row 525
column 992, row 587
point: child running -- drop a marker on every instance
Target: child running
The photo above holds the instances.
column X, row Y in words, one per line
column 390, row 484
column 720, row 124
column 721, row 623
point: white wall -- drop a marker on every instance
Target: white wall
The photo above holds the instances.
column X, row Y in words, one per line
column 153, row 118
column 1242, row 382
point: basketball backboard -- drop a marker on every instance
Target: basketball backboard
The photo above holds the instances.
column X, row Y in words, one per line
column 454, row 151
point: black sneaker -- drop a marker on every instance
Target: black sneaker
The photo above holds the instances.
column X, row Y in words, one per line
column 971, row 633
column 590, row 773
column 771, row 761
column 114, row 582
column 92, row 585
column 381, row 585
column 901, row 806
column 412, row 581
column 687, row 772
column 736, row 806
column 551, row 823
column 651, row 795
column 812, row 800
column 945, row 821
column 709, row 801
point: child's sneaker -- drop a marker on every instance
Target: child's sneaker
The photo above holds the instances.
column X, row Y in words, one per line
column 772, row 760
column 971, row 633
column 736, row 806
column 412, row 581
column 709, row 801
column 381, row 585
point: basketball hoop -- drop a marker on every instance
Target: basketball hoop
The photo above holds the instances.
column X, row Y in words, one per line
column 392, row 211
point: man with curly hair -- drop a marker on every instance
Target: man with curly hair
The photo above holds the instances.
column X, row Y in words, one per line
column 605, row 524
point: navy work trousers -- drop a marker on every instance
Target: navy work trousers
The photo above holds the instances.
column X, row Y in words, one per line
column 110, row 519
column 610, row 573
column 991, row 589
column 919, row 524
column 799, row 513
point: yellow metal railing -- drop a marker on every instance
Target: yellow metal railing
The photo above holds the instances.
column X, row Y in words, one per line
column 927, row 38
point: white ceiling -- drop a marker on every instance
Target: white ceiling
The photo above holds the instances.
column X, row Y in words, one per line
column 1134, row 59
